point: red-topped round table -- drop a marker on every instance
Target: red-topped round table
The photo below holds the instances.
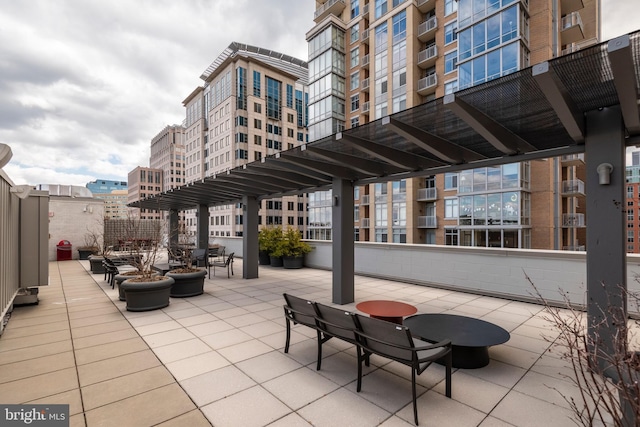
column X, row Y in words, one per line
column 391, row 311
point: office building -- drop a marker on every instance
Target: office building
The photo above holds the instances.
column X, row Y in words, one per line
column 370, row 59
column 252, row 104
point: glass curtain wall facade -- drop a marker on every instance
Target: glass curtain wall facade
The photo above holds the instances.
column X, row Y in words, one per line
column 327, row 72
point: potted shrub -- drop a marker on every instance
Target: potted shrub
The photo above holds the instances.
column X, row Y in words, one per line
column 91, row 246
column 292, row 249
column 268, row 241
column 188, row 280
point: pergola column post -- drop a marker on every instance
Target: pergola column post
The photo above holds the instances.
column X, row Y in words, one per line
column 203, row 227
column 606, row 228
column 342, row 242
column 250, row 207
column 173, row 230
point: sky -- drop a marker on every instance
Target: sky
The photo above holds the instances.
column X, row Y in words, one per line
column 86, row 84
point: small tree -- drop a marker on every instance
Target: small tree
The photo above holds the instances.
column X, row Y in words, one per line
column 141, row 240
column 291, row 244
column 184, row 252
column 269, row 238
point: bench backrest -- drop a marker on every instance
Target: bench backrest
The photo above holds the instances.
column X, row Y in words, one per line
column 385, row 338
column 300, row 310
column 336, row 322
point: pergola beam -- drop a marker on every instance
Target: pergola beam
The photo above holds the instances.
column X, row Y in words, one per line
column 557, row 95
column 397, row 158
column 357, row 163
column 624, row 79
column 441, row 148
column 322, row 167
column 497, row 135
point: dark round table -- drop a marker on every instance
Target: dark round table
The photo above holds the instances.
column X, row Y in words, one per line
column 470, row 338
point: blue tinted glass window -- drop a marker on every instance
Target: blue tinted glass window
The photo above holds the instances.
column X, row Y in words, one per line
column 355, row 8
column 509, row 24
column 450, row 32
column 493, row 31
column 450, row 61
column 464, row 44
column 478, row 38
column 274, row 102
column 464, row 75
column 289, row 96
column 494, row 69
column 256, row 84
column 400, row 24
column 381, row 8
column 510, row 58
column 479, row 72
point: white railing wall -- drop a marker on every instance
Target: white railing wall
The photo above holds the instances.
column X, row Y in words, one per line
column 9, row 261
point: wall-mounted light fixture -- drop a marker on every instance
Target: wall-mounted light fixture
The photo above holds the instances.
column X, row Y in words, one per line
column 5, row 154
column 604, row 173
column 336, row 201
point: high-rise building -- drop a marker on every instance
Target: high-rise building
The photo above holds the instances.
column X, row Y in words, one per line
column 144, row 182
column 253, row 103
column 370, row 59
column 167, row 154
column 101, row 186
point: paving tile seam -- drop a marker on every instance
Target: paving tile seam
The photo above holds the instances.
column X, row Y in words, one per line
column 149, row 348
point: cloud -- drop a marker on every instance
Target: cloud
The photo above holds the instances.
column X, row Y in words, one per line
column 86, row 84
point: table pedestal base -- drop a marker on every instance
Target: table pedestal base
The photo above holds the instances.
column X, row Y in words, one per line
column 397, row 320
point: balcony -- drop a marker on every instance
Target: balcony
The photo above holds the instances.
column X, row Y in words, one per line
column 427, row 57
column 568, row 6
column 575, row 220
column 365, row 11
column 427, row 222
column 583, row 44
column 425, row 6
column 572, row 160
column 364, row 198
column 364, row 85
column 572, row 188
column 427, row 194
column 365, row 222
column 571, row 30
column 364, row 36
column 427, row 29
column 366, row 60
column 427, row 85
column 366, row 107
column 331, row 7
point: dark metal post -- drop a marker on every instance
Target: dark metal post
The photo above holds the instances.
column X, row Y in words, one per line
column 250, row 207
column 342, row 247
column 173, row 231
column 203, row 227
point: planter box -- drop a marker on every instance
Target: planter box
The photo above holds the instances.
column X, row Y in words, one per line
column 95, row 262
column 84, row 254
column 264, row 258
column 293, row 262
column 276, row 261
column 145, row 296
column 187, row 284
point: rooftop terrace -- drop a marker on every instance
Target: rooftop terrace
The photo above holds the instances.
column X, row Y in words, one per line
column 218, row 359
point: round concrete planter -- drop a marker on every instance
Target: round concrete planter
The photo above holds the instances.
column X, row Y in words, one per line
column 95, row 262
column 263, row 258
column 276, row 261
column 145, row 296
column 293, row 261
column 187, row 284
column 119, row 278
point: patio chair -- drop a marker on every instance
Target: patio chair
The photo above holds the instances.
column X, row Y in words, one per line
column 395, row 342
column 299, row 311
column 334, row 322
column 110, row 271
column 228, row 263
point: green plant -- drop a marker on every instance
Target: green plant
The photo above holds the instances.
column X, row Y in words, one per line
column 291, row 245
column 269, row 238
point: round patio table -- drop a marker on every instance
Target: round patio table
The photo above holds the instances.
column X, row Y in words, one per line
column 391, row 311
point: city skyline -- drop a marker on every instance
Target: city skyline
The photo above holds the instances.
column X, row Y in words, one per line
column 87, row 85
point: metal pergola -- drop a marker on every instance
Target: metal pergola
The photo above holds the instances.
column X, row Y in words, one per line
column 583, row 102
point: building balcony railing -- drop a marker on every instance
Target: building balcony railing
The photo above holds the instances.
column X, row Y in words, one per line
column 427, row 85
column 334, row 7
column 425, row 194
column 366, row 107
column 571, row 29
column 364, row 85
column 364, row 36
column 427, row 222
column 365, row 222
column 573, row 187
column 364, row 199
column 425, row 6
column 365, row 11
column 427, row 57
column 572, row 160
column 366, row 61
column 568, row 6
column 427, row 29
column 573, row 220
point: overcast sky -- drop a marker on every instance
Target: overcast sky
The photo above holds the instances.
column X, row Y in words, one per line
column 86, row 84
